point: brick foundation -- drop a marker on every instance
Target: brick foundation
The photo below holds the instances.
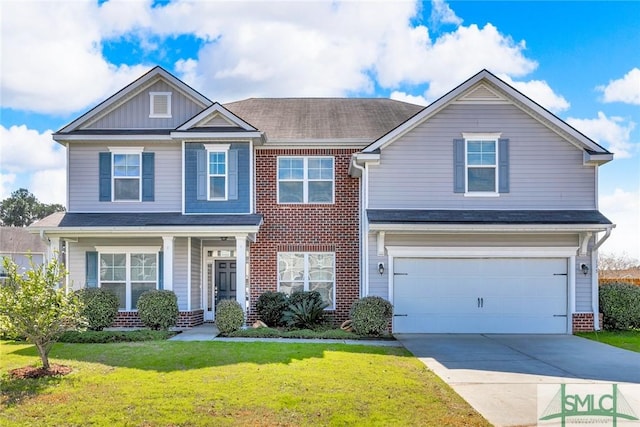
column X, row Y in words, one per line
column 186, row 319
column 583, row 322
column 306, row 228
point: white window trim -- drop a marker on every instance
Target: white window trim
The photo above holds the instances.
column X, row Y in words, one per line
column 152, row 113
column 127, row 251
column 124, row 151
column 480, row 137
column 218, row 148
column 306, row 273
column 305, row 180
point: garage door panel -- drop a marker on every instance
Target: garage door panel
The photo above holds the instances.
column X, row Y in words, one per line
column 492, row 295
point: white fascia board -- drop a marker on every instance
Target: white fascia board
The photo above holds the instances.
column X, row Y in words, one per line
column 190, row 136
column 367, row 157
column 481, row 252
column 488, row 228
column 193, row 231
column 597, row 159
column 212, row 109
column 315, row 142
column 103, row 138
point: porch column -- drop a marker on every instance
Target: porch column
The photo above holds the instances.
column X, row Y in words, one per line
column 53, row 251
column 241, row 271
column 167, row 260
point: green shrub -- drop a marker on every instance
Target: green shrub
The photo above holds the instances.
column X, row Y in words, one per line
column 229, row 316
column 102, row 337
column 158, row 309
column 270, row 307
column 99, row 307
column 620, row 306
column 371, row 315
column 305, row 310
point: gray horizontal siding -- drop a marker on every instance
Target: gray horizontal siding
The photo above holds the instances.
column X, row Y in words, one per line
column 196, row 275
column 83, row 179
column 180, row 271
column 546, row 172
column 134, row 114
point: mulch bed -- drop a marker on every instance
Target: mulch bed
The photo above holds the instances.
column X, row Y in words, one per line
column 34, row 372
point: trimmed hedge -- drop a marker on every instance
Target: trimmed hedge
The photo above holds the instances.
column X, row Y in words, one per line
column 158, row 309
column 370, row 316
column 229, row 316
column 102, row 337
column 620, row 306
column 270, row 307
column 99, row 307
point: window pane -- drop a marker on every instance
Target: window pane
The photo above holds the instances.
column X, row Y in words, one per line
column 481, row 153
column 126, row 189
column 320, row 191
column 482, row 179
column 143, row 267
column 217, row 187
column 290, row 168
column 290, row 267
column 320, row 168
column 119, row 289
column 126, row 165
column 325, row 289
column 321, row 266
column 113, row 267
column 291, row 287
column 217, row 163
column 138, row 289
column 290, row 192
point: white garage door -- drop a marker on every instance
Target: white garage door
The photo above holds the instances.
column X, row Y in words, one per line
column 488, row 295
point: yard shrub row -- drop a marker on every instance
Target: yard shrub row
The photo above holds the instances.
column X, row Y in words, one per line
column 102, row 337
column 620, row 306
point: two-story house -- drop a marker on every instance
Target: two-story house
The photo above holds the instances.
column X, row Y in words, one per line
column 477, row 213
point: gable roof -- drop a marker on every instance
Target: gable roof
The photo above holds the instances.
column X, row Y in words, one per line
column 485, row 87
column 155, row 74
column 20, row 240
column 309, row 119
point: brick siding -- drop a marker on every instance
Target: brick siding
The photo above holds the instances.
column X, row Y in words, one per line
column 583, row 322
column 130, row 319
column 306, row 228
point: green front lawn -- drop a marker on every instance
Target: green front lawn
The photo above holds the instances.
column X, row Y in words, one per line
column 629, row 340
column 164, row 383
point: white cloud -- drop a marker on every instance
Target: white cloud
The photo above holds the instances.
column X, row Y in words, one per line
column 441, row 13
column 623, row 209
column 540, row 92
column 612, row 132
column 411, row 99
column 52, row 59
column 49, row 186
column 27, row 150
column 626, row 89
column 6, row 184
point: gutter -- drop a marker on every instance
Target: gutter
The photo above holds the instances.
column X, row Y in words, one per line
column 364, row 238
column 595, row 303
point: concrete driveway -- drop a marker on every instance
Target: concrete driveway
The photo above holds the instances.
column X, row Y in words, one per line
column 499, row 374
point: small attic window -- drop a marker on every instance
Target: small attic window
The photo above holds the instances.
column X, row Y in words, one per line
column 160, row 104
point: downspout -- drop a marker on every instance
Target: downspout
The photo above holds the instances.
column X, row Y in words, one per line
column 364, row 260
column 595, row 304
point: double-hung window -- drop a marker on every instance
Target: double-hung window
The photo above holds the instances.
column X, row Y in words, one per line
column 308, row 271
column 305, row 179
column 128, row 274
column 126, row 174
column 481, row 163
column 217, row 170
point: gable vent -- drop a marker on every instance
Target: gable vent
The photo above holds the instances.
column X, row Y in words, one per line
column 481, row 94
column 160, row 104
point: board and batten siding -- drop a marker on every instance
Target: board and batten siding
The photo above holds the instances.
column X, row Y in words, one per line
column 134, row 114
column 546, row 171
column 83, row 179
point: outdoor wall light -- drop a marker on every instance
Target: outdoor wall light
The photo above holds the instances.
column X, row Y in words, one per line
column 584, row 268
column 380, row 268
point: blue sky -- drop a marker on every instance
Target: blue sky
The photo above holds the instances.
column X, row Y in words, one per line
column 581, row 60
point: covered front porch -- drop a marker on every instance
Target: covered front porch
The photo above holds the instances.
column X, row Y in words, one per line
column 201, row 258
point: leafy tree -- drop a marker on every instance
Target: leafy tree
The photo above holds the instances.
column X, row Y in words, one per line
column 33, row 306
column 617, row 266
column 23, row 208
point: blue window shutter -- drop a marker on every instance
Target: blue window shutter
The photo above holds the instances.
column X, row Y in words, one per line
column 458, row 166
column 233, row 175
column 105, row 177
column 91, row 269
column 160, row 270
column 201, row 175
column 148, row 173
column 503, row 165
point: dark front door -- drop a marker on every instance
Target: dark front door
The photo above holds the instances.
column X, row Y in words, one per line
column 225, row 280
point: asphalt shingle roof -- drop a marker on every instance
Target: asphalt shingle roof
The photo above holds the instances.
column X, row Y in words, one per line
column 156, row 219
